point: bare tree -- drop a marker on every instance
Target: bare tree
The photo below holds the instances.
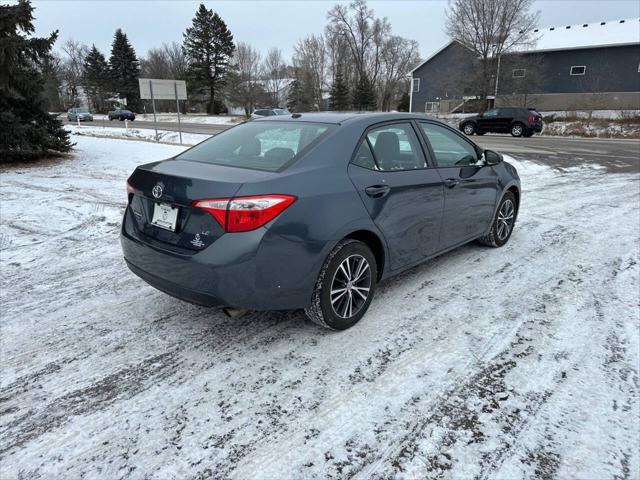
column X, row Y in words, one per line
column 72, row 69
column 398, row 56
column 245, row 88
column 155, row 64
column 490, row 28
column 309, row 60
column 176, row 59
column 274, row 73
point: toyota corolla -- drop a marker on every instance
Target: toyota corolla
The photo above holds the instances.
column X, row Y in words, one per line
column 311, row 211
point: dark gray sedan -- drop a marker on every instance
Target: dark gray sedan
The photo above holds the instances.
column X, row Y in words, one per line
column 310, row 211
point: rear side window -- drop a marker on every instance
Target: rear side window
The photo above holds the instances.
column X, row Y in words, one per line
column 257, row 145
column 396, row 147
column 364, row 157
column 449, row 149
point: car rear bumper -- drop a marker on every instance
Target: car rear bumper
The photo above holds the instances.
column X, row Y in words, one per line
column 255, row 270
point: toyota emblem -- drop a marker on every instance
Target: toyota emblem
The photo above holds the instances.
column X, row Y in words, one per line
column 157, row 190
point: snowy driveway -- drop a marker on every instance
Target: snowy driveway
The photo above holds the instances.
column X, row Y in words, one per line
column 517, row 362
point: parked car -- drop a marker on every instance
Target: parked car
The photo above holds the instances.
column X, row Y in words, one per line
column 121, row 114
column 310, row 211
column 81, row 114
column 520, row 122
column 269, row 112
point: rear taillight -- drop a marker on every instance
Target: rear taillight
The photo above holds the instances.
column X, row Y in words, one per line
column 130, row 187
column 241, row 214
column 531, row 119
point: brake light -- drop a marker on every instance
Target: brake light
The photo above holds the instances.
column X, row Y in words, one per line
column 242, row 214
column 130, row 187
column 531, row 119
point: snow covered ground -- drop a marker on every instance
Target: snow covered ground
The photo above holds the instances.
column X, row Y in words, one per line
column 164, row 136
column 172, row 117
column 520, row 362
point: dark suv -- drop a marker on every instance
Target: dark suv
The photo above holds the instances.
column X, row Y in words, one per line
column 519, row 122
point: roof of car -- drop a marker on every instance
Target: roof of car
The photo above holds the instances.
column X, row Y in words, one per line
column 342, row 117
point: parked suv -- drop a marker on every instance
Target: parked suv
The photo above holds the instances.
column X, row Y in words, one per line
column 121, row 114
column 269, row 112
column 519, row 122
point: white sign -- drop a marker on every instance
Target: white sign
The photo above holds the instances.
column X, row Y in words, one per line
column 162, row 89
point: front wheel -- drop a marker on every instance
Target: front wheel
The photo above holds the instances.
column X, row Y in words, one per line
column 517, row 129
column 345, row 287
column 503, row 223
column 469, row 128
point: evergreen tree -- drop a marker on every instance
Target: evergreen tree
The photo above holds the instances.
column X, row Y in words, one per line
column 28, row 131
column 208, row 45
column 339, row 95
column 403, row 105
column 364, row 97
column 96, row 78
column 298, row 99
column 125, row 70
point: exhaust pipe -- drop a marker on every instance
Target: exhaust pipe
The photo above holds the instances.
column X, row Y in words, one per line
column 233, row 312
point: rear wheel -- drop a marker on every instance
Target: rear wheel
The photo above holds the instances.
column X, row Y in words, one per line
column 345, row 286
column 469, row 128
column 503, row 223
column 517, row 129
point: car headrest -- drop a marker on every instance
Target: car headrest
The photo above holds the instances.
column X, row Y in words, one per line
column 251, row 148
column 279, row 155
column 387, row 149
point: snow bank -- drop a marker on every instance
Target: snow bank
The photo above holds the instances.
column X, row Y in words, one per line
column 164, row 136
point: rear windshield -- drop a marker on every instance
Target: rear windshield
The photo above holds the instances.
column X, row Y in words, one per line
column 257, row 145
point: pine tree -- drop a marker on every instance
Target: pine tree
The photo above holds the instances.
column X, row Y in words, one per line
column 339, row 95
column 403, row 105
column 96, row 78
column 298, row 99
column 364, row 98
column 28, row 130
column 125, row 70
column 208, row 45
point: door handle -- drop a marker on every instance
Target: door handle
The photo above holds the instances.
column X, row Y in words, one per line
column 377, row 191
column 451, row 182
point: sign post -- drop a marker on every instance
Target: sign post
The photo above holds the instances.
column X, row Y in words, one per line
column 175, row 87
column 153, row 103
column 162, row 89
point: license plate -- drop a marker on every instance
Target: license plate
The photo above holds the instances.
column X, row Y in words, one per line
column 165, row 216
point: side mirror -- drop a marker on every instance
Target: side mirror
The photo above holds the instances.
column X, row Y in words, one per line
column 492, row 158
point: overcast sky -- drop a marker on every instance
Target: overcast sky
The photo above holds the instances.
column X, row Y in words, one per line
column 268, row 23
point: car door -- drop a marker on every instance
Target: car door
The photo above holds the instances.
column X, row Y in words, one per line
column 471, row 188
column 505, row 117
column 487, row 122
column 403, row 195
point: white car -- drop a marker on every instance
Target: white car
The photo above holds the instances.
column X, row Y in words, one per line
column 269, row 112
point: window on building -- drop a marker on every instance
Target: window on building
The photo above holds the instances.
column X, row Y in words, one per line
column 578, row 70
column 431, row 106
column 518, row 73
column 416, row 85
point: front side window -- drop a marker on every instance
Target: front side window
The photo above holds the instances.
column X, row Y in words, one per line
column 449, row 149
column 264, row 145
column 416, row 85
column 396, row 147
column 578, row 70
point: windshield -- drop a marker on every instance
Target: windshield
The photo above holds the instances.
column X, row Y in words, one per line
column 281, row 111
column 257, row 145
column 82, row 110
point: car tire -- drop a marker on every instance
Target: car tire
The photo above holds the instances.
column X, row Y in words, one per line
column 469, row 128
column 346, row 256
column 505, row 217
column 517, row 129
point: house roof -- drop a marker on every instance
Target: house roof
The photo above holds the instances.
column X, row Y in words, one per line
column 608, row 33
column 585, row 35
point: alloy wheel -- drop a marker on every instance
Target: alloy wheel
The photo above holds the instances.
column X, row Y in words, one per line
column 505, row 219
column 468, row 129
column 350, row 286
column 517, row 130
